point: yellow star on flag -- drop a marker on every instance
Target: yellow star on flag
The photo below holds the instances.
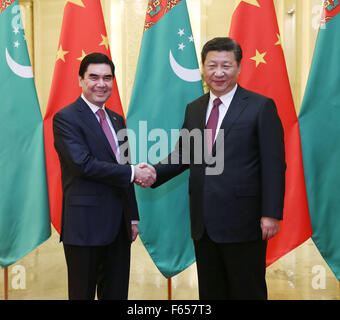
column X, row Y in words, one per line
column 278, row 42
column 252, row 2
column 61, row 54
column 259, row 58
column 77, row 2
column 105, row 42
column 83, row 54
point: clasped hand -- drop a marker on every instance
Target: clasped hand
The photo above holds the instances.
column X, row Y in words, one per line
column 145, row 175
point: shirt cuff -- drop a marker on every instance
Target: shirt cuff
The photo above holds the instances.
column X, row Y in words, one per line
column 132, row 173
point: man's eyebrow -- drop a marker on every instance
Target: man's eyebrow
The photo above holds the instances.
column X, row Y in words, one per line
column 96, row 75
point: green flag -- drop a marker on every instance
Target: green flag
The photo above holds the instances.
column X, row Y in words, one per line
column 24, row 211
column 319, row 121
column 167, row 79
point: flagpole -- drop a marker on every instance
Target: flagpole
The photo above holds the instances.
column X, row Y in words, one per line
column 6, row 283
column 169, row 289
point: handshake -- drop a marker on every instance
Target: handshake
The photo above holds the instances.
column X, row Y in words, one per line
column 145, row 175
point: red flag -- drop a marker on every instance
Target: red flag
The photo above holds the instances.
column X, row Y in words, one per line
column 254, row 27
column 82, row 32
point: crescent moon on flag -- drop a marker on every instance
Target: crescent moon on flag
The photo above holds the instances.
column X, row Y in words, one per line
column 189, row 75
column 18, row 69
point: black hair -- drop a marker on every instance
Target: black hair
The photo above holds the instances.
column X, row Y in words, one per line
column 95, row 58
column 222, row 44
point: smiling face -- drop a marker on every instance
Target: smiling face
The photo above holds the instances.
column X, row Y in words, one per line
column 221, row 71
column 97, row 83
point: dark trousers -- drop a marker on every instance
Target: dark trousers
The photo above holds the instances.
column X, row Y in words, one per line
column 231, row 270
column 106, row 268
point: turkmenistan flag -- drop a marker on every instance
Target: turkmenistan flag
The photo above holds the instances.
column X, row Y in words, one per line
column 319, row 121
column 167, row 79
column 24, row 211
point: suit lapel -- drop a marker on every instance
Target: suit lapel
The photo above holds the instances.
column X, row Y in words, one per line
column 117, row 125
column 202, row 111
column 200, row 114
column 237, row 105
column 93, row 124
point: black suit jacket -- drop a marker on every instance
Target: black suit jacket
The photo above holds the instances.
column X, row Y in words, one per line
column 97, row 192
column 229, row 205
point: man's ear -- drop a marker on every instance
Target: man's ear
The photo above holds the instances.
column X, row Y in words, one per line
column 80, row 81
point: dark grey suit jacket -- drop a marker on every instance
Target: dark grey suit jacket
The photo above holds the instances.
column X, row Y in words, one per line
column 229, row 205
column 97, row 192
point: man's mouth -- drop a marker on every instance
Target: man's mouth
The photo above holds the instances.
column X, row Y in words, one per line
column 219, row 82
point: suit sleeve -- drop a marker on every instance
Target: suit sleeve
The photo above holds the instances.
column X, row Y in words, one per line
column 71, row 146
column 132, row 203
column 172, row 165
column 272, row 157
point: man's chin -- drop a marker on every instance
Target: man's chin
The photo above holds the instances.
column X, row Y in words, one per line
column 100, row 100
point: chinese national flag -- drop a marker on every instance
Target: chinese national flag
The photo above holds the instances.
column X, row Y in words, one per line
column 254, row 27
column 83, row 31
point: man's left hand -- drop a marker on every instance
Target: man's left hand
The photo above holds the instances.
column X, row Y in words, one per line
column 270, row 227
column 134, row 232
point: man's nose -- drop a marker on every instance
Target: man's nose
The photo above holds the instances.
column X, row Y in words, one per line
column 100, row 82
column 219, row 72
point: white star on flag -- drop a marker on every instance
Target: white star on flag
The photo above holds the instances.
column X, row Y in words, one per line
column 181, row 46
column 16, row 29
column 180, row 32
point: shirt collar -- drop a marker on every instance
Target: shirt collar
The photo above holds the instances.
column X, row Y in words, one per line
column 226, row 98
column 92, row 106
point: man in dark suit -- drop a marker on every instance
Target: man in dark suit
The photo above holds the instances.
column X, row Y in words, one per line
column 99, row 210
column 237, row 208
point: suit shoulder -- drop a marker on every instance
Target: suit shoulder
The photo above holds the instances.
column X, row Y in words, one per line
column 200, row 102
column 202, row 99
column 256, row 97
column 67, row 109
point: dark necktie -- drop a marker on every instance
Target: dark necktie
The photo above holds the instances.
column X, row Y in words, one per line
column 106, row 128
column 212, row 124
